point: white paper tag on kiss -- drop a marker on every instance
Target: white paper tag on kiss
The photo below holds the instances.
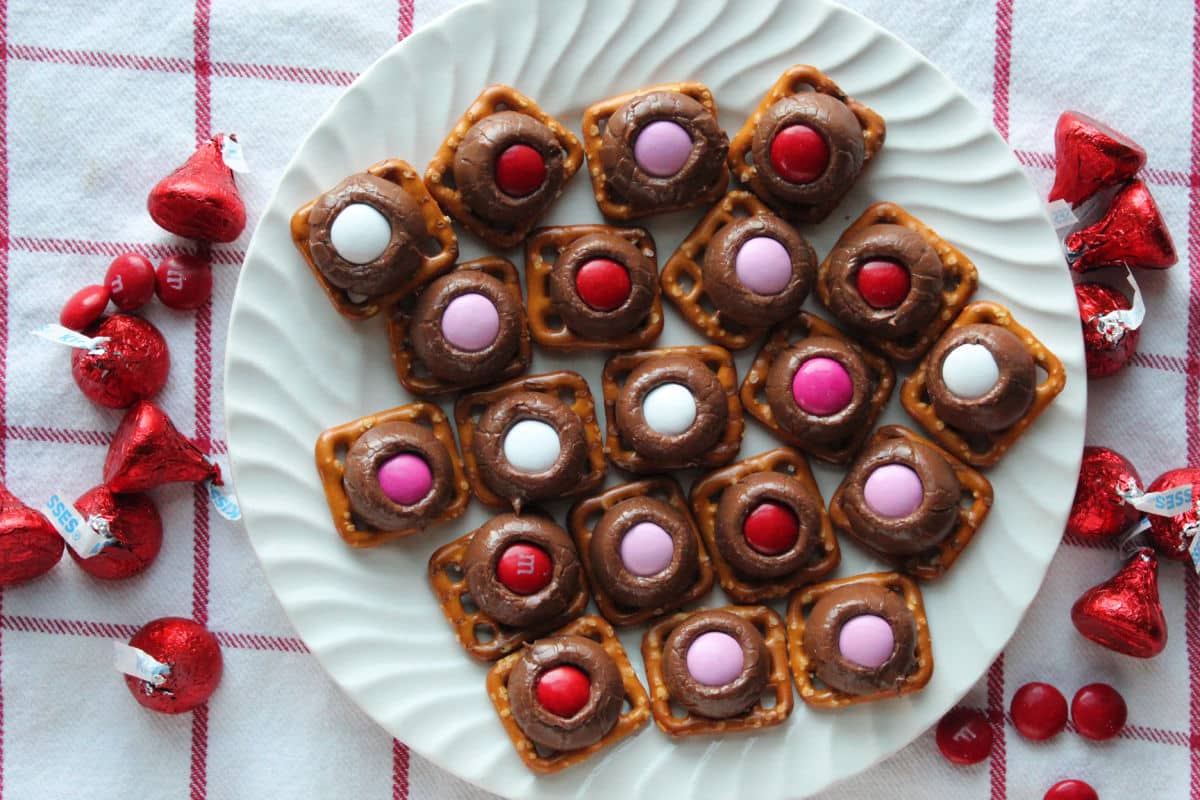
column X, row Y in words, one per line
column 1114, row 324
column 224, row 500
column 139, row 664
column 53, row 332
column 1061, row 215
column 232, row 155
column 86, row 537
column 1167, row 503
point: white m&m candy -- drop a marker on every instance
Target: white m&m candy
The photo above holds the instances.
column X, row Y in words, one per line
column 360, row 233
column 531, row 446
column 669, row 409
column 970, row 371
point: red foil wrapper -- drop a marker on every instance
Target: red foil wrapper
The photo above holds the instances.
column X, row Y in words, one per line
column 29, row 544
column 133, row 365
column 1124, row 613
column 1098, row 512
column 200, row 200
column 1167, row 534
column 148, row 451
column 134, row 525
column 1090, row 156
column 1132, row 232
column 1104, row 352
column 193, row 656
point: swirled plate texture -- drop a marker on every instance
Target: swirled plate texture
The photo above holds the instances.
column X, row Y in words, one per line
column 294, row 367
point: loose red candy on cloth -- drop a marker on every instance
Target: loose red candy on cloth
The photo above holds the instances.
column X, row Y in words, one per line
column 1172, row 535
column 148, row 451
column 1090, row 156
column 132, row 523
column 130, row 281
column 1104, row 352
column 1039, row 711
column 132, row 365
column 183, row 282
column 191, row 654
column 965, row 736
column 1071, row 790
column 200, row 199
column 1124, row 613
column 563, row 690
column 29, row 544
column 84, row 307
column 1098, row 512
column 1132, row 232
column 1098, row 711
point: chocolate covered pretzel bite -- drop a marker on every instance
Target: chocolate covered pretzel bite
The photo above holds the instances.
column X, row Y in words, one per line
column 805, row 145
column 655, row 150
column 373, row 239
column 465, row 329
column 391, row 474
column 502, row 165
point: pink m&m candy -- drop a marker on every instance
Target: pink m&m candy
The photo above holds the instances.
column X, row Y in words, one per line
column 867, row 640
column 715, row 658
column 646, row 549
column 822, row 387
column 893, row 490
column 470, row 322
column 405, row 478
column 763, row 265
column 662, row 148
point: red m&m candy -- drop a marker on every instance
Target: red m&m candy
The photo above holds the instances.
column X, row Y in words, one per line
column 1071, row 790
column 84, row 307
column 771, row 528
column 603, row 284
column 130, row 280
column 520, row 170
column 1099, row 711
column 964, row 736
column 883, row 284
column 183, row 282
column 563, row 691
column 1039, row 711
column 799, row 154
column 524, row 568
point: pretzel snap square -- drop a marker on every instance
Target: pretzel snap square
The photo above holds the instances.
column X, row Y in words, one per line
column 933, row 562
column 582, row 520
column 618, row 368
column 568, row 386
column 629, row 723
column 706, row 497
column 760, row 716
column 482, row 636
column 985, row 449
column 783, row 336
column 960, row 279
column 331, row 449
column 546, row 322
column 439, row 250
column 596, row 117
column 414, row 376
column 817, row 694
column 798, row 79
column 439, row 176
column 683, row 275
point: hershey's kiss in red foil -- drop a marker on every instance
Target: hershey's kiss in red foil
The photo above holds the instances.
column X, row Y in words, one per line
column 1110, row 338
column 1124, row 613
column 148, row 451
column 132, row 365
column 1132, row 232
column 133, row 527
column 1090, row 156
column 29, row 544
column 1099, row 512
column 1171, row 536
column 193, row 659
column 200, row 200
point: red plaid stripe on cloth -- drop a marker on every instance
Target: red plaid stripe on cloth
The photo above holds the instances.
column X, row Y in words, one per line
column 100, row 99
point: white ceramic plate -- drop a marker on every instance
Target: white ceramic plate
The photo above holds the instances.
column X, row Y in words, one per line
column 295, row 367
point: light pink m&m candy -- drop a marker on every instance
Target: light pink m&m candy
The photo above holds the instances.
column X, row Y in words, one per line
column 763, row 265
column 715, row 658
column 405, row 478
column 822, row 387
column 866, row 640
column 470, row 322
column 646, row 549
column 662, row 148
column 893, row 490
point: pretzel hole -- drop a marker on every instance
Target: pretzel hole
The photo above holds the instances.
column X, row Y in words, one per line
column 951, row 280
column 417, row 369
column 730, row 325
column 355, row 298
column 501, row 106
column 468, row 603
column 748, row 157
column 626, row 706
column 801, row 85
column 474, row 412
column 978, row 442
column 601, row 125
column 678, row 711
column 660, row 494
column 448, row 180
column 424, row 422
column 566, row 396
column 908, row 340
column 591, row 634
column 548, row 254
column 454, row 572
column 554, row 323
column 484, row 633
column 543, row 751
column 1042, row 374
column 768, row 700
column 592, row 520
column 785, row 467
column 339, row 453
column 706, row 305
column 967, row 500
column 739, row 211
column 685, row 281
column 620, row 377
column 923, row 394
column 432, row 247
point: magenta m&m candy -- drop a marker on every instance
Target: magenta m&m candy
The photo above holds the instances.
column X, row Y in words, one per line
column 405, row 478
column 822, row 386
